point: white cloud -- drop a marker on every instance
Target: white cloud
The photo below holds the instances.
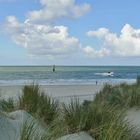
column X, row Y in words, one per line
column 126, row 44
column 91, row 52
column 42, row 40
column 54, row 9
column 100, row 33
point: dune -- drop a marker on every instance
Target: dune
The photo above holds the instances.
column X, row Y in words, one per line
column 133, row 116
column 11, row 124
column 77, row 136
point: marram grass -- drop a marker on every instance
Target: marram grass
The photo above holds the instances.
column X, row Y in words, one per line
column 123, row 95
column 34, row 101
column 31, row 131
column 102, row 118
column 101, row 122
column 7, row 105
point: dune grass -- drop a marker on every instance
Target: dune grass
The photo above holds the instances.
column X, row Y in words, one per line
column 101, row 122
column 35, row 102
column 74, row 116
column 122, row 95
column 115, row 129
column 138, row 80
column 30, row 98
column 48, row 108
column 28, row 131
column 102, row 118
column 109, row 124
column 31, row 131
column 109, row 96
column 7, row 105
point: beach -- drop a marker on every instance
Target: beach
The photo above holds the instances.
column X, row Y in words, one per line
column 57, row 103
column 61, row 92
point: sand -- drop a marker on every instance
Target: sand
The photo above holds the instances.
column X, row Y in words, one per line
column 12, row 126
column 61, row 92
column 77, row 136
column 133, row 116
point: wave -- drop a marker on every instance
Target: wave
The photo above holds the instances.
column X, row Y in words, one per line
column 66, row 82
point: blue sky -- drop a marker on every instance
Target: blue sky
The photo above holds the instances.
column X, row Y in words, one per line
column 102, row 33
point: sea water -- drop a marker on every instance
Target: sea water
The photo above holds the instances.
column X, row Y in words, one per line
column 67, row 75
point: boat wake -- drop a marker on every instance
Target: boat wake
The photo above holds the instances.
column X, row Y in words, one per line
column 105, row 74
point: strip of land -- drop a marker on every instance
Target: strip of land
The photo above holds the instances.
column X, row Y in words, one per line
column 60, row 92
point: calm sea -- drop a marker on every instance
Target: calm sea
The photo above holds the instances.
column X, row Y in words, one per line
column 69, row 75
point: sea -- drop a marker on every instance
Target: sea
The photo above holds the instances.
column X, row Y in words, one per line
column 67, row 75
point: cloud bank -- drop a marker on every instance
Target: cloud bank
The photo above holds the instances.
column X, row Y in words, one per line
column 40, row 37
column 126, row 44
column 42, row 40
column 54, row 9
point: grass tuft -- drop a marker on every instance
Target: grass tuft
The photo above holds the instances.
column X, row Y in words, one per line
column 48, row 108
column 29, row 100
column 31, row 131
column 37, row 103
column 7, row 105
column 122, row 95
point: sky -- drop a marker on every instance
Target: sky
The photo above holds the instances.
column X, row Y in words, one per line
column 69, row 32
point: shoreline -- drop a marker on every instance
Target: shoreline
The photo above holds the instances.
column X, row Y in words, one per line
column 61, row 92
column 68, row 82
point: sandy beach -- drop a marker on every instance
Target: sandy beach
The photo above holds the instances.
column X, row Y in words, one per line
column 61, row 92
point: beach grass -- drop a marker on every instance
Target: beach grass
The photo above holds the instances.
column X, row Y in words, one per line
column 31, row 131
column 138, row 80
column 35, row 102
column 103, row 118
column 123, row 95
column 101, row 122
column 28, row 131
column 7, row 105
column 48, row 108
column 30, row 98
column 115, row 129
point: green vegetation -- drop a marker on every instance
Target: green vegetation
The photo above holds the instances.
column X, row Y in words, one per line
column 48, row 108
column 28, row 131
column 34, row 101
column 102, row 118
column 8, row 105
column 115, row 129
column 122, row 95
column 31, row 131
column 138, row 80
column 101, row 122
column 30, row 98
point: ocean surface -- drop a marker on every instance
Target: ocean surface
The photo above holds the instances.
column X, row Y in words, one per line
column 67, row 75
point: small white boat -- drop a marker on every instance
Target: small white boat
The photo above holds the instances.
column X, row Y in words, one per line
column 105, row 74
